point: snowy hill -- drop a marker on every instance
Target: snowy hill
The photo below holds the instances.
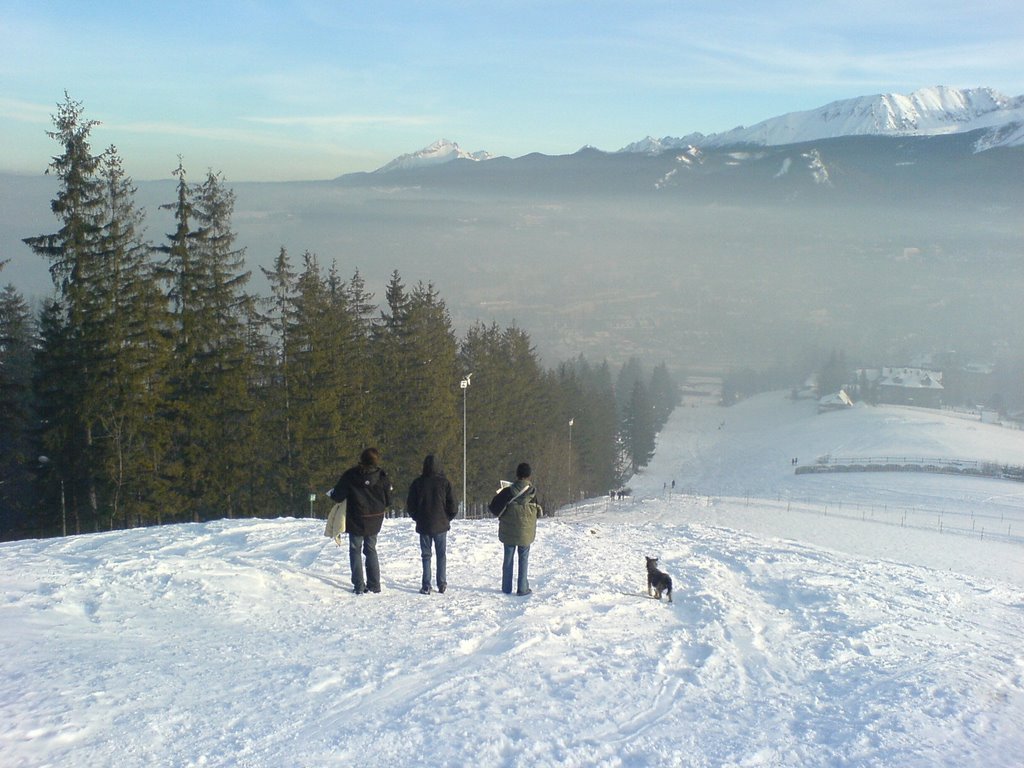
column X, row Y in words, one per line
column 441, row 151
column 926, row 112
column 813, row 623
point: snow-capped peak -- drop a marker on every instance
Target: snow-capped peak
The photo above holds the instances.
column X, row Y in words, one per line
column 652, row 146
column 925, row 112
column 441, row 151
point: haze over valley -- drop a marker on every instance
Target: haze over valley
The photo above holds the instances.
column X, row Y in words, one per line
column 885, row 246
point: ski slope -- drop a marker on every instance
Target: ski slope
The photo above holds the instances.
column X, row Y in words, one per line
column 813, row 624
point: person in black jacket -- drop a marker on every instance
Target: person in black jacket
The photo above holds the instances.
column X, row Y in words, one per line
column 367, row 492
column 431, row 505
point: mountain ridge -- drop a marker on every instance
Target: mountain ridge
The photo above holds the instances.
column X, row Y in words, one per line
column 936, row 110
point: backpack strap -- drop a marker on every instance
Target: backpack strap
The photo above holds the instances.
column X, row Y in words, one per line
column 525, row 489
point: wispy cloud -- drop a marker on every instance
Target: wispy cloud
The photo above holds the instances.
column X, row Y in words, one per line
column 345, row 121
column 26, row 111
column 225, row 135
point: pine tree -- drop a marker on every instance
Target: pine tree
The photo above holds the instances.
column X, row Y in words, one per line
column 212, row 366
column 131, row 353
column 318, row 376
column 276, row 409
column 591, row 405
column 18, row 451
column 664, row 394
column 418, row 374
column 430, row 425
column 230, row 316
column 490, row 419
column 630, row 373
column 360, row 408
column 602, row 444
column 75, row 253
column 180, row 272
column 638, row 427
column 59, row 493
column 512, row 412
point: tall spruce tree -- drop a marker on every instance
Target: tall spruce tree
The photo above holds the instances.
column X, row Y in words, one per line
column 58, row 416
column 394, row 364
column 489, row 415
column 180, row 271
column 664, row 394
column 18, row 449
column 131, row 353
column 509, row 405
column 276, row 407
column 602, row 444
column 638, row 427
column 75, row 253
column 591, row 400
column 630, row 373
column 418, row 374
column 430, row 425
column 355, row 354
column 212, row 364
column 318, row 377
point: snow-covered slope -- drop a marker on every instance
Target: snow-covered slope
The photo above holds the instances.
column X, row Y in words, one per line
column 806, row 628
column 926, row 112
column 440, row 152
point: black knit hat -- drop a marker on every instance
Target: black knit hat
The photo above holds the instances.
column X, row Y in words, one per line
column 523, row 471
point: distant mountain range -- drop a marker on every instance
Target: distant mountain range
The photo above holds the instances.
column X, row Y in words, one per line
column 935, row 111
column 882, row 226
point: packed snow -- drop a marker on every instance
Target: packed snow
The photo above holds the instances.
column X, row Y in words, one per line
column 817, row 620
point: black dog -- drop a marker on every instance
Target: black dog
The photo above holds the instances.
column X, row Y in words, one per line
column 657, row 581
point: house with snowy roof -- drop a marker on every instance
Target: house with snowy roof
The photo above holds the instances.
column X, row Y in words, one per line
column 910, row 386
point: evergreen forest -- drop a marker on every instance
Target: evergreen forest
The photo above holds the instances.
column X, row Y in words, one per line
column 154, row 387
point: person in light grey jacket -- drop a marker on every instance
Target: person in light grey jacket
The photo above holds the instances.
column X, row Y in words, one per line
column 517, row 510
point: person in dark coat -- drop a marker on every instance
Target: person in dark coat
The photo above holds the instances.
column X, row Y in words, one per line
column 366, row 490
column 517, row 510
column 431, row 505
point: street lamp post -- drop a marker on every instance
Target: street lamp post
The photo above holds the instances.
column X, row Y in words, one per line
column 571, row 420
column 464, row 384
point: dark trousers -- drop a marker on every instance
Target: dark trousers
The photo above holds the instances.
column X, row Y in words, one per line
column 523, row 583
column 368, row 545
column 439, row 541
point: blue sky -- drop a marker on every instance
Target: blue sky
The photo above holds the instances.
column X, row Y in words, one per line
column 311, row 89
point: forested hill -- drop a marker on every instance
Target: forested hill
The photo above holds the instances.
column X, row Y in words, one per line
column 156, row 387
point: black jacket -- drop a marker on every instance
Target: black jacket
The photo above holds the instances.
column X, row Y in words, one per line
column 367, row 491
column 430, row 502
